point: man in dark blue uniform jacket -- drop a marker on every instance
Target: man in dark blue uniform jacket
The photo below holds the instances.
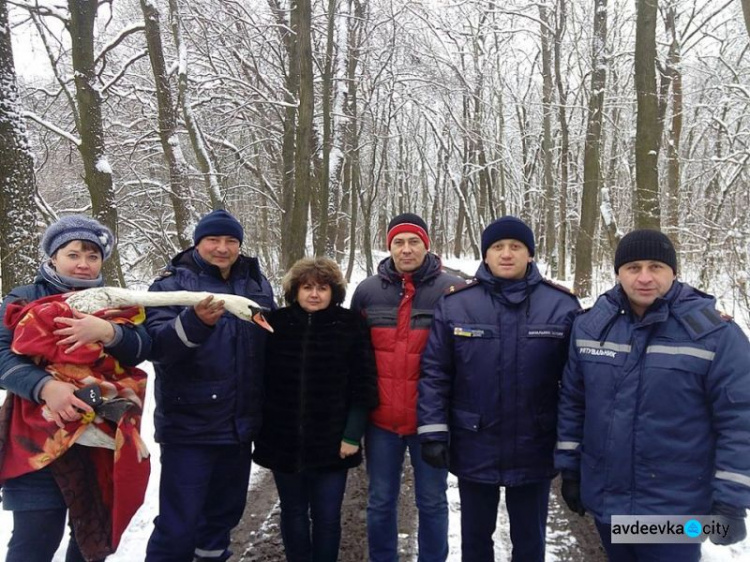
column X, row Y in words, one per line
column 209, row 369
column 655, row 404
column 489, row 387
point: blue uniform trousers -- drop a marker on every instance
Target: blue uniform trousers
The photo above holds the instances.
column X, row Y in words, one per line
column 527, row 514
column 202, row 493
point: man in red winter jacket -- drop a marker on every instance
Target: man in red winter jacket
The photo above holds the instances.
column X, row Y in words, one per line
column 398, row 303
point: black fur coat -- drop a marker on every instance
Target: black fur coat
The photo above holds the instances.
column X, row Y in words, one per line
column 318, row 366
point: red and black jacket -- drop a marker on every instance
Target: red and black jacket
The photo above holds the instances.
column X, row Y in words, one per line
column 398, row 309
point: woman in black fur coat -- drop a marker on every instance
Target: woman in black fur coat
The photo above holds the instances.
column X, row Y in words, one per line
column 320, row 385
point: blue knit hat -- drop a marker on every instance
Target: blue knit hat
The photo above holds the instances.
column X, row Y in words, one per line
column 77, row 227
column 506, row 228
column 218, row 223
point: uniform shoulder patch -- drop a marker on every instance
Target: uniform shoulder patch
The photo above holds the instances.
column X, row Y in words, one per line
column 164, row 273
column 559, row 287
column 704, row 320
column 725, row 316
column 456, row 288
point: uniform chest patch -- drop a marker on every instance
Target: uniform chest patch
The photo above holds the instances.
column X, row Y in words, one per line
column 597, row 352
column 468, row 332
column 545, row 333
column 602, row 349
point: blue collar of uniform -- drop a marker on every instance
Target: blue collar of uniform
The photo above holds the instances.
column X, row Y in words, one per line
column 660, row 309
column 205, row 266
column 614, row 304
column 513, row 291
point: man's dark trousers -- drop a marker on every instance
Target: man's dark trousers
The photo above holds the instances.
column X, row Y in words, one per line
column 201, row 499
column 527, row 514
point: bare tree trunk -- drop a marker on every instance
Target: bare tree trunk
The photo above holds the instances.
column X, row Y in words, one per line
column 462, row 188
column 549, row 239
column 672, row 220
column 344, row 218
column 19, row 237
column 202, row 156
column 591, row 154
column 322, row 242
column 465, row 221
column 503, row 210
column 528, row 162
column 301, row 25
column 356, row 25
column 288, row 135
column 356, row 189
column 746, row 14
column 562, row 239
column 179, row 193
column 648, row 131
column 97, row 171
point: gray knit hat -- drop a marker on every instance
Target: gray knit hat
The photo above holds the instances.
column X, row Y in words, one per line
column 77, row 227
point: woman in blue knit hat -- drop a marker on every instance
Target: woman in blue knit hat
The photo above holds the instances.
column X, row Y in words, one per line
column 75, row 248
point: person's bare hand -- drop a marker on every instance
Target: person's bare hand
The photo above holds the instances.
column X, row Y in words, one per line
column 347, row 450
column 63, row 405
column 83, row 329
column 112, row 313
column 209, row 310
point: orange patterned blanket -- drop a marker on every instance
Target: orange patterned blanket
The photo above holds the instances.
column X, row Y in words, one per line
column 101, row 467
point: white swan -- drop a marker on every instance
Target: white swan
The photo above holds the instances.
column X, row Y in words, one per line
column 91, row 300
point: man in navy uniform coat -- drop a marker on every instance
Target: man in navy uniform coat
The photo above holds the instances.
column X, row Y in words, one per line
column 489, row 388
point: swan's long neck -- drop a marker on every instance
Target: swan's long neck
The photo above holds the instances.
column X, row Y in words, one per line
column 92, row 300
column 172, row 298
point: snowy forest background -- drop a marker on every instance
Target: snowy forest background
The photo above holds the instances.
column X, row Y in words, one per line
column 315, row 122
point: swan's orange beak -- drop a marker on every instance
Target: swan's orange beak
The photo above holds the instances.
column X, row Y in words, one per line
column 261, row 321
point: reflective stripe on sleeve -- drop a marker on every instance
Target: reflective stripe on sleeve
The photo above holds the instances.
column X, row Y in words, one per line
column 612, row 346
column 567, row 445
column 208, row 553
column 433, row 427
column 13, row 370
column 178, row 327
column 733, row 477
column 682, row 350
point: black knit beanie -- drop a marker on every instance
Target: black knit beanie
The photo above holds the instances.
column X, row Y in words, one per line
column 506, row 228
column 645, row 245
column 218, row 223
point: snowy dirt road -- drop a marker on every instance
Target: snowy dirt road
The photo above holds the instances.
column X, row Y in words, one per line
column 258, row 539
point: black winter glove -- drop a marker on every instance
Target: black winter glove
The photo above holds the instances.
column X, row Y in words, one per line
column 732, row 524
column 571, row 493
column 435, row 453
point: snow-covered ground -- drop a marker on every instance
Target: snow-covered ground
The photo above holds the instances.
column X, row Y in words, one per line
column 133, row 545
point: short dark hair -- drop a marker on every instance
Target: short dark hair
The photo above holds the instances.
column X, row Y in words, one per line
column 323, row 271
column 86, row 246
